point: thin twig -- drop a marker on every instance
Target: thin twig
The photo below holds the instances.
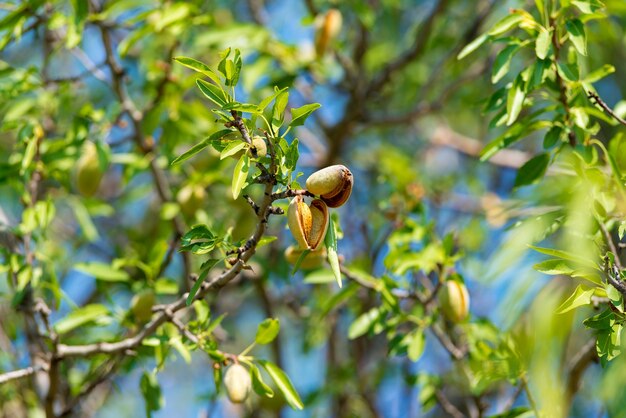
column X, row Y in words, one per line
column 577, row 366
column 597, row 100
column 447, row 406
column 18, row 374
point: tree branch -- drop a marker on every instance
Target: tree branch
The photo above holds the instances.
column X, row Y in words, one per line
column 419, row 46
column 595, row 98
column 18, row 374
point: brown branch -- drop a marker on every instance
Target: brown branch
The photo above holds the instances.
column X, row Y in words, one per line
column 613, row 275
column 18, row 374
column 418, row 48
column 577, row 366
column 595, row 98
column 167, row 312
column 447, row 343
column 447, row 406
column 158, row 175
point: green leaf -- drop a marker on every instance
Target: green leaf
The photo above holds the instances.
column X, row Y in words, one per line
column 259, row 386
column 292, row 155
column 299, row 261
column 472, row 46
column 517, row 412
column 79, row 317
column 505, row 24
column 243, row 107
column 212, row 92
column 532, row 170
column 415, row 344
column 330, row 241
column 566, row 256
column 279, row 108
column 321, row 276
column 232, row 148
column 102, row 271
column 580, row 297
column 363, row 323
column 299, row 115
column 568, row 72
column 84, row 219
column 283, row 383
column 576, row 32
column 151, row 392
column 502, row 62
column 515, row 100
column 599, row 74
column 267, row 331
column 240, row 175
column 552, row 137
column 199, row 67
column 588, row 6
column 206, row 268
column 555, row 266
column 265, row 102
column 542, row 43
column 200, row 146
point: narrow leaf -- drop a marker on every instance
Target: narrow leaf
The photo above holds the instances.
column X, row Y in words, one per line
column 283, row 383
column 576, row 32
column 259, row 386
column 199, row 67
column 240, row 175
column 580, row 297
column 102, row 271
column 330, row 241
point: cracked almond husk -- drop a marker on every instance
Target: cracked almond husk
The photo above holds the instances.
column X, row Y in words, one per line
column 333, row 184
column 308, row 223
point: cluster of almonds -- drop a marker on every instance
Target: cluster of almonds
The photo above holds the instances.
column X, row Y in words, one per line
column 308, row 223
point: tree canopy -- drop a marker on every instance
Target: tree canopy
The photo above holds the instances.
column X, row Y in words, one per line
column 279, row 208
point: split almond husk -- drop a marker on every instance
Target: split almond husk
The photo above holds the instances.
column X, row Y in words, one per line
column 308, row 224
column 333, row 184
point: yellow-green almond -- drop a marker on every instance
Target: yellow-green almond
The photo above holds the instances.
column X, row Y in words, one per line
column 313, row 260
column 191, row 198
column 259, row 144
column 454, row 301
column 333, row 184
column 88, row 172
column 237, row 382
column 141, row 305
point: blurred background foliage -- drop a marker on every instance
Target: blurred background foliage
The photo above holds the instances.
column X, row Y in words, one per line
column 407, row 117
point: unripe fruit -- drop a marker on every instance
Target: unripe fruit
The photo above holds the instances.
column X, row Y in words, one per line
column 191, row 198
column 141, row 305
column 308, row 224
column 238, row 383
column 328, row 29
column 259, row 144
column 313, row 260
column 454, row 301
column 333, row 184
column 88, row 172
